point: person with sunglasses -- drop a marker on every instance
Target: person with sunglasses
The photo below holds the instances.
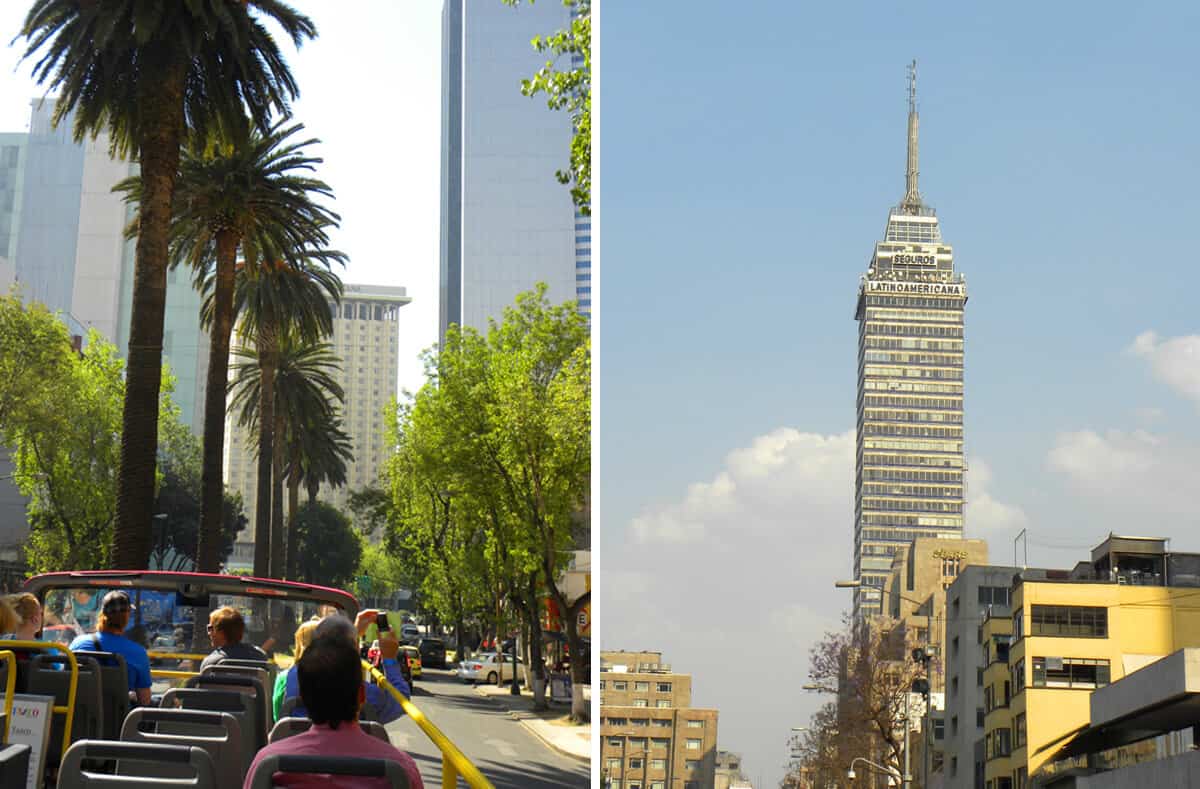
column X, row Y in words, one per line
column 226, row 629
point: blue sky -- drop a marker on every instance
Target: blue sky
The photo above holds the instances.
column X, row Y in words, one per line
column 748, row 162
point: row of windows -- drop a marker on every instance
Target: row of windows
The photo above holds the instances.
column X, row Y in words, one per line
column 914, row 372
column 913, row 386
column 945, row 526
column 912, row 476
column 908, row 344
column 911, row 431
column 1064, row 620
column 944, row 303
column 912, row 446
column 639, row 743
column 911, row 401
column 895, row 314
column 911, row 460
column 927, row 491
column 583, row 225
column 895, row 535
column 910, row 357
column 911, row 329
column 954, row 418
column 691, row 724
column 912, row 506
column 1059, row 672
column 997, row 743
column 638, row 687
column 584, row 263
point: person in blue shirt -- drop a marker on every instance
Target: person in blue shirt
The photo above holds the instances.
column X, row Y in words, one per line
column 387, row 709
column 110, row 637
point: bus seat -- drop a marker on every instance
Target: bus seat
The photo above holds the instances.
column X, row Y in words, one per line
column 72, row 775
column 114, row 691
column 218, row 733
column 256, row 672
column 239, row 705
column 14, row 764
column 264, row 772
column 47, row 678
column 270, row 666
column 286, row 727
column 248, row 686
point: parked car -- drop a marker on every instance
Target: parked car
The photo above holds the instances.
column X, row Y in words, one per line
column 485, row 667
column 409, row 632
column 433, row 652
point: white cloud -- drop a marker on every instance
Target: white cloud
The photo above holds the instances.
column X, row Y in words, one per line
column 1129, row 474
column 987, row 517
column 1175, row 361
column 738, row 571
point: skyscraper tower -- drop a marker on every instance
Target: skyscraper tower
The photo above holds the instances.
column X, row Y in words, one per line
column 909, row 461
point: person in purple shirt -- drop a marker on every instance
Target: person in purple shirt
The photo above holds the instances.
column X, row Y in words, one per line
column 386, row 708
column 330, row 674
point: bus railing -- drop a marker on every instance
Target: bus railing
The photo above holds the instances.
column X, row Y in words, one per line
column 10, row 664
column 68, row 711
column 455, row 764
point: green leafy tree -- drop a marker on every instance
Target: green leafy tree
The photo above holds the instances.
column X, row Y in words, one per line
column 329, row 550
column 242, row 191
column 148, row 74
column 568, row 87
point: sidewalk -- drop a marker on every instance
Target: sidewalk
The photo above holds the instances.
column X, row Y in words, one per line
column 552, row 727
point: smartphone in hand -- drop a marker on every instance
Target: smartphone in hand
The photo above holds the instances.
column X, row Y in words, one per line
column 382, row 622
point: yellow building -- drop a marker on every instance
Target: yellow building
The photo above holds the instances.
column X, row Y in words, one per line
column 1075, row 631
column 997, row 693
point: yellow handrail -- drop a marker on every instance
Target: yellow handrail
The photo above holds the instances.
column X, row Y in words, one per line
column 454, row 763
column 69, row 710
column 10, row 665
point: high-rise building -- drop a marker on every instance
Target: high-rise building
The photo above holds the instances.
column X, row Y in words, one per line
column 506, row 221
column 365, row 332
column 71, row 253
column 909, row 461
column 650, row 734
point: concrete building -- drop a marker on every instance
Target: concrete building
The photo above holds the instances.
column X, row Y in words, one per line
column 729, row 773
column 909, row 461
column 365, row 332
column 506, row 222
column 1072, row 632
column 650, row 735
column 978, row 592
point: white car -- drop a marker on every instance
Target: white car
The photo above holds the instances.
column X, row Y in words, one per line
column 484, row 668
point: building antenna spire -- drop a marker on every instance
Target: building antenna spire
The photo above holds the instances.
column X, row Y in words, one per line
column 912, row 204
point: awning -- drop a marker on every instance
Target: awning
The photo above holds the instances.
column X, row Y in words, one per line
column 1173, row 714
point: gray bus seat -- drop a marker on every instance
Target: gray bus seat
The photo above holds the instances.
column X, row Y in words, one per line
column 254, row 672
column 239, row 705
column 218, row 733
column 269, row 666
column 286, row 727
column 47, row 678
column 367, row 713
column 264, row 772
column 195, row 761
column 14, row 764
column 248, row 686
column 114, row 691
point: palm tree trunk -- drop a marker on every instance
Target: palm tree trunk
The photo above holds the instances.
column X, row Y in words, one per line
column 161, row 96
column 212, row 491
column 277, row 548
column 267, row 362
column 293, row 508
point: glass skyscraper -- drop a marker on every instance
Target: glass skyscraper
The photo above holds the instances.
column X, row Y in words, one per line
column 909, row 461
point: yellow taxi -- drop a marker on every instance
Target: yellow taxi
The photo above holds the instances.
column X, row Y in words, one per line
column 414, row 660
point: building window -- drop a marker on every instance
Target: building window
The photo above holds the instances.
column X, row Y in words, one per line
column 1076, row 621
column 663, row 704
column 994, row 595
column 664, row 687
column 613, row 764
column 620, row 684
column 635, row 763
column 657, row 784
column 641, row 687
column 639, row 721
column 1017, row 677
column 639, row 702
column 691, row 764
column 694, row 724
column 617, row 722
column 659, row 742
column 637, row 743
column 658, row 764
column 661, row 723
column 601, row 684
column 615, row 742
column 1058, row 672
column 693, row 745
column 1019, row 731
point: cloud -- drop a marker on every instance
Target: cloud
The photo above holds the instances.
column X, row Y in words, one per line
column 1174, row 361
column 737, row 573
column 987, row 517
column 1123, row 474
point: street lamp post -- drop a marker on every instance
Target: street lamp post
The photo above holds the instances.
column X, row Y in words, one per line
column 885, row 770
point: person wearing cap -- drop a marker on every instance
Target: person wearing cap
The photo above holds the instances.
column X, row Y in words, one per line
column 110, row 637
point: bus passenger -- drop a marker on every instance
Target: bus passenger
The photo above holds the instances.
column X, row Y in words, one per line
column 304, row 636
column 226, row 628
column 29, row 615
column 10, row 620
column 110, row 637
column 330, row 686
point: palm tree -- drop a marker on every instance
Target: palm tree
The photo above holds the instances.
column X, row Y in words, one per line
column 148, row 74
column 245, row 190
column 275, row 299
column 317, row 454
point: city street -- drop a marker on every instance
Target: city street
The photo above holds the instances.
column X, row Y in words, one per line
column 506, row 753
